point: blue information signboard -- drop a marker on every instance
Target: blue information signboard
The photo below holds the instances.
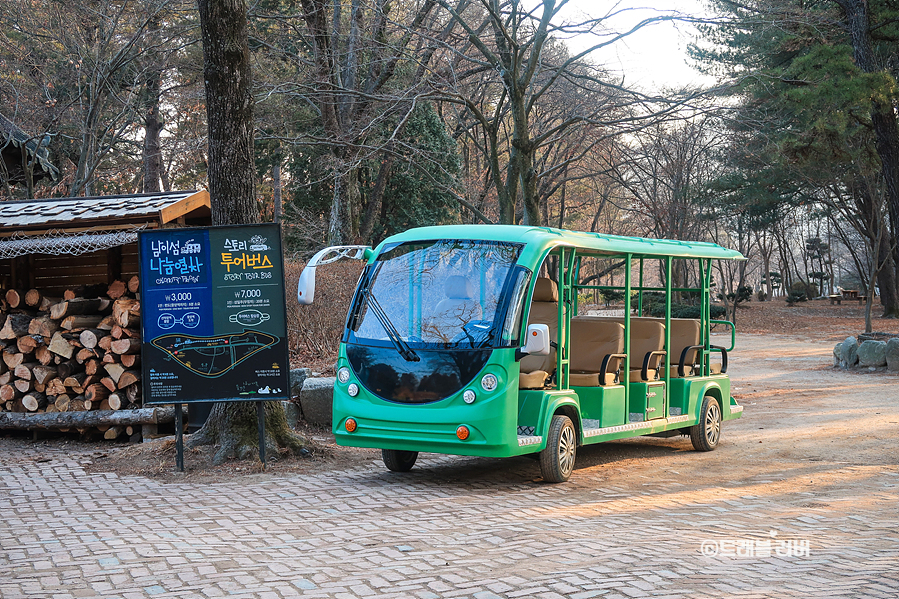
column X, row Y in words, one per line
column 213, row 314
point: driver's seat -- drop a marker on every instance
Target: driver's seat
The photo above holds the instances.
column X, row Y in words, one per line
column 535, row 370
column 456, row 310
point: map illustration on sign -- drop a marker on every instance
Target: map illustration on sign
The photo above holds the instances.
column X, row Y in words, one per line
column 214, row 356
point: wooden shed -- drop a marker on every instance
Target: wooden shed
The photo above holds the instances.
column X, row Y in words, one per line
column 61, row 243
column 69, row 323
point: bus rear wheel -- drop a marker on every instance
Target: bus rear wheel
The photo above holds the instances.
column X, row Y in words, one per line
column 557, row 460
column 707, row 432
column 399, row 461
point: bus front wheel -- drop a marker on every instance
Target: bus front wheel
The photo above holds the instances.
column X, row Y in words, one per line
column 557, row 460
column 399, row 461
column 707, row 432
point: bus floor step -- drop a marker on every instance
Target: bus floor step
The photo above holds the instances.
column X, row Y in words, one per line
column 529, row 440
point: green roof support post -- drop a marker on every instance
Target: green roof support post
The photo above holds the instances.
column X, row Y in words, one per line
column 705, row 272
column 627, row 337
column 667, row 356
column 640, row 293
column 566, row 270
column 576, row 286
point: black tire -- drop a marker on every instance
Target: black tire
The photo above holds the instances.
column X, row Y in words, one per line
column 399, row 461
column 557, row 460
column 707, row 432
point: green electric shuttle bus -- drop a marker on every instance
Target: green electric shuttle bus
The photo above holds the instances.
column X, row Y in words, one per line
column 476, row 340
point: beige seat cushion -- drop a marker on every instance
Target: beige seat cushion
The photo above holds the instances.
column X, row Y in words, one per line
column 453, row 312
column 688, row 371
column 636, row 375
column 532, row 380
column 589, row 379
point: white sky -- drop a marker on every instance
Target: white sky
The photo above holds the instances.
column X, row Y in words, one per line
column 655, row 56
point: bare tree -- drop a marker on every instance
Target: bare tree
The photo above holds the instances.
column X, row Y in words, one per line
column 507, row 64
column 367, row 70
column 81, row 68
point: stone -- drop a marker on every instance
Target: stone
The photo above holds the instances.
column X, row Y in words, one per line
column 849, row 352
column 292, row 411
column 316, row 399
column 892, row 354
column 872, row 353
column 837, row 352
column 297, row 376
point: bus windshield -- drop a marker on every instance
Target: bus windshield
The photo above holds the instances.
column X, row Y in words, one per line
column 446, row 294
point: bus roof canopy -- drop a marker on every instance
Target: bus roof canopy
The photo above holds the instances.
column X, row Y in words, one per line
column 540, row 239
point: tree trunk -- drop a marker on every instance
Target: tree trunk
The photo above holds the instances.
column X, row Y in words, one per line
column 886, row 280
column 345, row 193
column 152, row 121
column 883, row 121
column 233, row 427
column 229, row 106
column 276, row 187
column 152, row 156
column 229, row 109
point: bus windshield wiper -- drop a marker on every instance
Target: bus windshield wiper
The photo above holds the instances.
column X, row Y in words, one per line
column 368, row 276
column 401, row 346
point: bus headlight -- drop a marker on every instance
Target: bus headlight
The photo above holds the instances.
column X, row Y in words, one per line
column 353, row 389
column 469, row 396
column 343, row 375
column 489, row 382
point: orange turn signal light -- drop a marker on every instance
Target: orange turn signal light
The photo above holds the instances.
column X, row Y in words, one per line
column 462, row 432
column 350, row 424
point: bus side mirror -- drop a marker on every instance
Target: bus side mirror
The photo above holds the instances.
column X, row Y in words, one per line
column 306, row 286
column 537, row 342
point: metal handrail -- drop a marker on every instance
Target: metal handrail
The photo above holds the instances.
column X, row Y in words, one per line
column 733, row 332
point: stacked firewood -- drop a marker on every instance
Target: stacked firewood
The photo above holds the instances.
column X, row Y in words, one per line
column 79, row 352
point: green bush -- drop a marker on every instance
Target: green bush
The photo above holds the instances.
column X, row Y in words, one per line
column 796, row 296
column 802, row 287
column 685, row 311
column 651, row 300
column 611, row 296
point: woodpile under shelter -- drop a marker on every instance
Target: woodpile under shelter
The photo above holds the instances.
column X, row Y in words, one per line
column 70, row 310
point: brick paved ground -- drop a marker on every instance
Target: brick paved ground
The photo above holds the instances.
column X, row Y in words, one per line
column 632, row 522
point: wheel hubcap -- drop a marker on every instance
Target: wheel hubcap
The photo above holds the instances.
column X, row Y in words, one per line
column 713, row 423
column 566, row 450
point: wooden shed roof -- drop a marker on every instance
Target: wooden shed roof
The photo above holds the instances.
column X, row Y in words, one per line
column 104, row 212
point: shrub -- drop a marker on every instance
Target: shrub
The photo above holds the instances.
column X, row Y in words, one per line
column 651, row 300
column 685, row 311
column 314, row 331
column 802, row 287
column 796, row 296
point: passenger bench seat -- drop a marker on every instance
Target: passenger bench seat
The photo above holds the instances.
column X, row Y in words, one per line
column 592, row 341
